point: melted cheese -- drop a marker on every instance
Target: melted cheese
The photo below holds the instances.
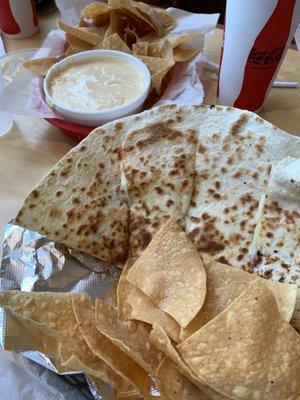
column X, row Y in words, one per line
column 97, row 84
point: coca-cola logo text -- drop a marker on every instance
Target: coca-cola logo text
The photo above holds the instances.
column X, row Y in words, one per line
column 265, row 57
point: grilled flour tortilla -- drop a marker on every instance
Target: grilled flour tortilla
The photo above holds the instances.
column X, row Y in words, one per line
column 158, row 165
column 277, row 241
column 233, row 164
column 80, row 203
column 233, row 157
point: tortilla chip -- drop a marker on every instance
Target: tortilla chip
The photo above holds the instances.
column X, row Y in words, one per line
column 144, row 25
column 78, row 45
column 153, row 63
column 295, row 321
column 177, row 40
column 248, row 351
column 50, row 312
column 134, row 304
column 160, row 339
column 170, row 272
column 152, row 15
column 130, row 336
column 29, row 337
column 159, row 80
column 70, row 51
column 172, row 385
column 130, row 37
column 167, row 19
column 40, row 66
column 225, row 283
column 114, row 42
column 74, row 352
column 117, row 24
column 119, row 362
column 123, row 290
column 89, row 37
column 96, row 13
column 184, row 53
column 158, row 68
column 98, row 370
column 140, row 48
column 99, row 31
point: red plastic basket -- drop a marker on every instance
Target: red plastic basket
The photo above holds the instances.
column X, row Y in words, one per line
column 73, row 131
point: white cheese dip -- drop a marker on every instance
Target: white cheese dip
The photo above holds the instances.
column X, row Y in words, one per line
column 97, row 84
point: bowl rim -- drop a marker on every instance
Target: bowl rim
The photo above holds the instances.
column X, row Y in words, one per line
column 98, row 54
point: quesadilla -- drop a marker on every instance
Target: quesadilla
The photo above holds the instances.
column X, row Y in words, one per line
column 279, row 235
column 158, row 166
column 232, row 170
column 80, row 203
column 276, row 246
column 230, row 151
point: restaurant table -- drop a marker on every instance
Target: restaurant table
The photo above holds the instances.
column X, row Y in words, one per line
column 33, row 146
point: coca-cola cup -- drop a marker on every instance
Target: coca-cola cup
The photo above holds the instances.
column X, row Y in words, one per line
column 257, row 35
column 18, row 18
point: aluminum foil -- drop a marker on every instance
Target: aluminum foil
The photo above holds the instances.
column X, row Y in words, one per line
column 31, row 262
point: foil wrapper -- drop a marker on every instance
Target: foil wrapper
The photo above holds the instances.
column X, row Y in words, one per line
column 32, row 262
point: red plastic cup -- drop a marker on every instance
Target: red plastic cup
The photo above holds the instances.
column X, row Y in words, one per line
column 18, row 18
column 256, row 37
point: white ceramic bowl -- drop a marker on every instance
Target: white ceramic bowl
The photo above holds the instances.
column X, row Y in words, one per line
column 96, row 118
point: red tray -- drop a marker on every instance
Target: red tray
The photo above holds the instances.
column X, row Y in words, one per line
column 74, row 131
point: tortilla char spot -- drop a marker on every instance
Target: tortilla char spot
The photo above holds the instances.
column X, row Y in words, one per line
column 225, row 147
column 224, row 170
column 170, row 185
column 65, row 171
column 178, row 118
column 203, row 175
column 153, row 133
column 173, row 172
column 222, row 260
column 158, row 190
column 211, row 241
column 34, row 194
column 259, row 149
column 169, row 203
column 119, row 126
column 145, row 239
column 58, row 193
column 201, row 148
column 54, row 213
column 235, row 238
column 230, row 160
column 194, row 233
column 238, row 124
column 52, row 173
column 268, row 274
column 193, row 203
column 31, row 206
column 246, row 198
column 215, row 137
column 184, row 183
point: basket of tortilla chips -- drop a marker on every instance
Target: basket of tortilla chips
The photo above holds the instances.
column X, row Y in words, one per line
column 127, row 26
